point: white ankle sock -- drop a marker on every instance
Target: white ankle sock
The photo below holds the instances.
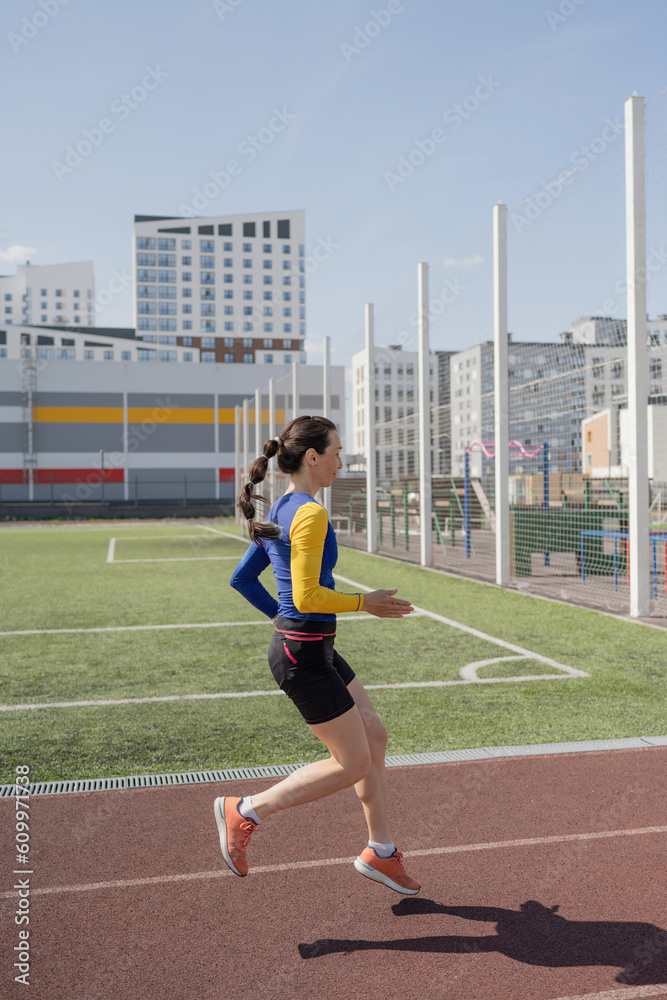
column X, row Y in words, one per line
column 382, row 850
column 247, row 811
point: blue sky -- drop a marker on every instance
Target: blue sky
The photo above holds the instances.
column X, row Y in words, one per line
column 549, row 77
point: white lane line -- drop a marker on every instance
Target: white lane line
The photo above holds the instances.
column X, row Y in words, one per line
column 112, row 549
column 148, row 628
column 296, row 865
column 629, row 993
column 572, row 671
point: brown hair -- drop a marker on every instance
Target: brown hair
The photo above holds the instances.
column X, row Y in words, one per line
column 292, row 444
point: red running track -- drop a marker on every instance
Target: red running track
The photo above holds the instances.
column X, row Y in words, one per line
column 130, row 898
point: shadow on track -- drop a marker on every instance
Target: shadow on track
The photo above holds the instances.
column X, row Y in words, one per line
column 533, row 934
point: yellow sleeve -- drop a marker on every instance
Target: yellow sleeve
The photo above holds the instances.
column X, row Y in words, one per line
column 307, row 535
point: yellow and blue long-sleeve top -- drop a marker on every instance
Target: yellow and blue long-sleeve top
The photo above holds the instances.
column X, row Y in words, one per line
column 302, row 560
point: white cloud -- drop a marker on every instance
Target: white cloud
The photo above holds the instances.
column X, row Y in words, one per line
column 466, row 262
column 17, row 253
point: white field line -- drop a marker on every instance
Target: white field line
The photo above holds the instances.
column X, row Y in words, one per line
column 149, row 628
column 572, row 671
column 111, row 554
column 116, row 562
column 219, row 531
column 323, row 863
column 105, row 703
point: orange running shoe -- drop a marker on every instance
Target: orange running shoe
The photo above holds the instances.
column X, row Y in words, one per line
column 235, row 833
column 389, row 871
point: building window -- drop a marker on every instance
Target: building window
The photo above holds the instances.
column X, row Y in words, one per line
column 266, row 248
column 143, row 323
column 186, row 244
column 150, row 340
column 187, row 324
column 228, row 278
column 283, row 229
column 208, row 342
column 248, row 359
column 247, row 279
column 165, row 243
column 247, row 326
column 108, row 355
column 287, row 264
column 268, row 280
column 248, row 342
column 287, row 359
column 167, row 324
column 206, row 261
column 229, row 293
column 208, row 308
column 167, row 340
column 229, row 325
column 208, row 356
column 187, row 307
column 143, row 243
column 88, row 355
column 166, row 276
column 166, row 292
column 268, row 359
column 227, row 247
column 268, row 328
column 126, row 355
column 186, row 293
column 287, row 281
column 287, row 327
column 208, row 326
column 168, row 355
column 267, row 342
column 187, row 341
column 167, row 309
column 249, row 229
column 409, row 370
column 166, row 260
column 144, row 260
column 207, row 277
column 387, row 394
column 206, row 246
column 225, row 229
column 187, row 355
column 229, row 310
column 186, row 275
column 207, row 294
column 267, row 264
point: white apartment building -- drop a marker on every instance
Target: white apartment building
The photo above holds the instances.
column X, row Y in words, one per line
column 50, row 343
column 210, row 282
column 396, row 397
column 49, row 294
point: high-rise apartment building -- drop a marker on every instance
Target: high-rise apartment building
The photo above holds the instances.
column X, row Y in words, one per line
column 233, row 286
column 49, row 295
column 396, row 400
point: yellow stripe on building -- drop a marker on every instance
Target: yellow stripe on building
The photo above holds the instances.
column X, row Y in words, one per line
column 165, row 415
column 78, row 414
column 226, row 415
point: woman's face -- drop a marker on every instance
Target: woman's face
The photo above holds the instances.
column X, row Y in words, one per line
column 327, row 465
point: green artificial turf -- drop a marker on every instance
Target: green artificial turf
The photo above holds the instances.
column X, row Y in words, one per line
column 60, row 578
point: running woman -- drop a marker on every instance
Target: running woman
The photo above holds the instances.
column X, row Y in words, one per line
column 300, row 545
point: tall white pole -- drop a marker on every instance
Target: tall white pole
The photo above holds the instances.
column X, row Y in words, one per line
column 424, row 421
column 258, row 423
column 326, row 395
column 295, row 391
column 369, row 423
column 237, row 454
column 501, row 394
column 246, row 440
column 635, row 235
column 271, row 478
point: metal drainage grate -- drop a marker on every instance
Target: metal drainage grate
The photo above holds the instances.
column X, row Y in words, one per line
column 282, row 770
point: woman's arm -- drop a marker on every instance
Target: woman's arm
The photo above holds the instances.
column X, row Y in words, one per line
column 245, row 579
column 307, row 535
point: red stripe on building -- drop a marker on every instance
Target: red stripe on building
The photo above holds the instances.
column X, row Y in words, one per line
column 226, row 475
column 46, row 476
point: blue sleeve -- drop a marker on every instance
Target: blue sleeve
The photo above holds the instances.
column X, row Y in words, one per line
column 245, row 579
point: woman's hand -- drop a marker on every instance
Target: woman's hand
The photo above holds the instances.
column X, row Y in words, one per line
column 383, row 604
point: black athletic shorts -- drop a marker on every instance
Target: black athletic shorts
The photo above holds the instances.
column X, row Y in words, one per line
column 308, row 669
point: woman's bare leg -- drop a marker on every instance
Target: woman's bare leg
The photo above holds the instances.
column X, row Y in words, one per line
column 372, row 789
column 349, row 763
